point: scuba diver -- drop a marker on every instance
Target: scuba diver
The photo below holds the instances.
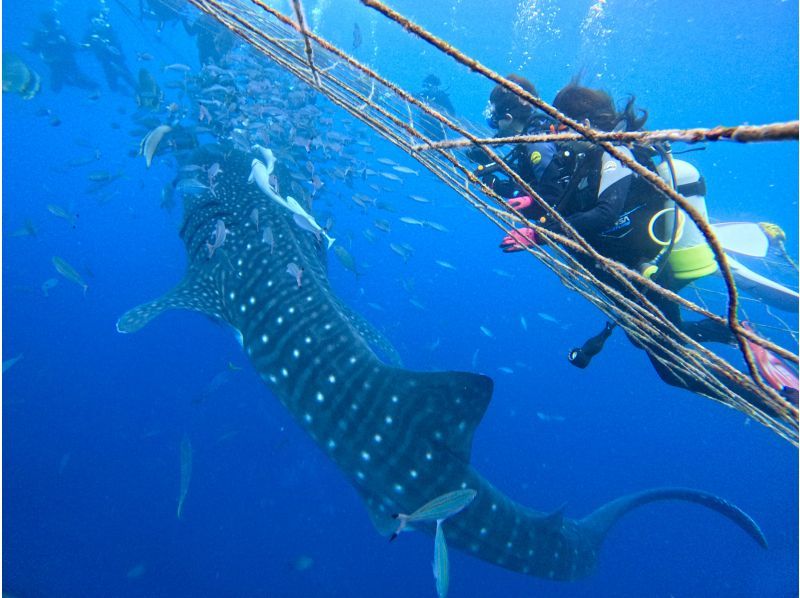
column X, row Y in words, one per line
column 214, row 41
column 58, row 53
column 438, row 99
column 433, row 94
column 103, row 43
column 619, row 214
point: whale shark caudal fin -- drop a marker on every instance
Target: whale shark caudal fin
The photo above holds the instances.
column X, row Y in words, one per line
column 191, row 293
column 601, row 520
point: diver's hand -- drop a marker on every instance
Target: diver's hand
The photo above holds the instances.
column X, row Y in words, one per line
column 519, row 239
column 520, row 203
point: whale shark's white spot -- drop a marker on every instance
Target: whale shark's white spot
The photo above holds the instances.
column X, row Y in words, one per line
column 399, row 488
column 327, row 326
column 279, row 319
column 291, row 310
column 413, row 473
column 354, row 406
column 331, row 444
column 252, row 300
column 429, row 456
column 249, row 246
column 269, row 283
column 232, row 295
column 308, row 298
column 264, row 339
column 394, row 398
column 365, row 455
column 388, row 419
column 360, row 475
column 463, row 485
column 320, row 397
column 437, row 435
column 509, row 545
column 284, row 372
column 483, row 531
column 332, row 379
column 308, row 340
column 494, row 506
column 242, row 308
column 296, row 353
column 367, row 385
column 239, row 262
column 273, row 379
column 377, row 438
column 307, row 417
column 530, row 552
column 352, row 359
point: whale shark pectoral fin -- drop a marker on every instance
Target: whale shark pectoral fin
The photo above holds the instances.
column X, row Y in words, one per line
column 436, row 414
column 191, row 293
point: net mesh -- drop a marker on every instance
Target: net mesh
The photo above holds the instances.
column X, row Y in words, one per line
column 437, row 141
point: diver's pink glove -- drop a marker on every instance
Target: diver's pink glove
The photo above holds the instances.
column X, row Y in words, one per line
column 520, row 203
column 519, row 239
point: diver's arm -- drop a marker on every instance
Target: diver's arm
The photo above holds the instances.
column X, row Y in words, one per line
column 615, row 182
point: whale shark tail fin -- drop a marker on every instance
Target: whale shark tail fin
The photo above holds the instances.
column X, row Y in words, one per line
column 600, row 521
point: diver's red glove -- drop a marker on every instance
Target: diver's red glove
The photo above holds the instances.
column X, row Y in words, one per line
column 519, row 239
column 520, row 203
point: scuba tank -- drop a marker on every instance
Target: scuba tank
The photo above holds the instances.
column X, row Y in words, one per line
column 685, row 247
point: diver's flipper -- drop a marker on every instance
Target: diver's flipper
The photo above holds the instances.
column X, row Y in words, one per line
column 744, row 238
column 760, row 287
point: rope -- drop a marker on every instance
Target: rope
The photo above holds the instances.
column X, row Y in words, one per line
column 786, row 131
column 390, row 111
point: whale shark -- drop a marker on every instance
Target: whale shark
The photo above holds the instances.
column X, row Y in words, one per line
column 400, row 437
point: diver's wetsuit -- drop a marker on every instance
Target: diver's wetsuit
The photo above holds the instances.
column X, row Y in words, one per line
column 58, row 53
column 103, row 42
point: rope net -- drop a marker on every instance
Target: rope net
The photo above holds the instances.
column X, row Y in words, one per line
column 437, row 141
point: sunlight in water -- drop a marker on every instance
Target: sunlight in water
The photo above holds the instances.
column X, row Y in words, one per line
column 535, row 21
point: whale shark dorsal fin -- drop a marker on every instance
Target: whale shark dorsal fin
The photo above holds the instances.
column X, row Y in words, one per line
column 555, row 520
column 194, row 293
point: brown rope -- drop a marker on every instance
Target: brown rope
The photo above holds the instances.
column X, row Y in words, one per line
column 668, row 344
column 301, row 22
column 589, row 134
column 786, row 131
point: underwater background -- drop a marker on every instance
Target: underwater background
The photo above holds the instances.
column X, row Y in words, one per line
column 93, row 420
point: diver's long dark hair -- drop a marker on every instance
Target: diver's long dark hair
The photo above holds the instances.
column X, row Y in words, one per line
column 595, row 105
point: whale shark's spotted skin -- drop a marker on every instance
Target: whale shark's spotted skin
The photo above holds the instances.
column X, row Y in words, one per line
column 401, row 437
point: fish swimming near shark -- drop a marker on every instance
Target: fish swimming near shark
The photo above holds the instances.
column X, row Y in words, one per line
column 401, row 438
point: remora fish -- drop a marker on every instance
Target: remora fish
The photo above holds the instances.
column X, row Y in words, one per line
column 400, row 437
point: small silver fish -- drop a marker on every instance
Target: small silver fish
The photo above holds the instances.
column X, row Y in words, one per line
column 420, row 199
column 487, row 332
column 524, row 323
column 409, row 220
column 445, row 265
column 254, row 217
column 391, row 177
column 441, row 563
column 547, row 317
column 405, row 170
column 438, row 509
column 436, row 226
column 295, row 271
column 68, row 272
column 268, row 238
column 220, row 232
column 47, row 285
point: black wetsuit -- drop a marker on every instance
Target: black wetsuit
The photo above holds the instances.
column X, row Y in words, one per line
column 103, row 43
column 58, row 53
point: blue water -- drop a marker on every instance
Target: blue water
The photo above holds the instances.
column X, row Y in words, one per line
column 93, row 420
